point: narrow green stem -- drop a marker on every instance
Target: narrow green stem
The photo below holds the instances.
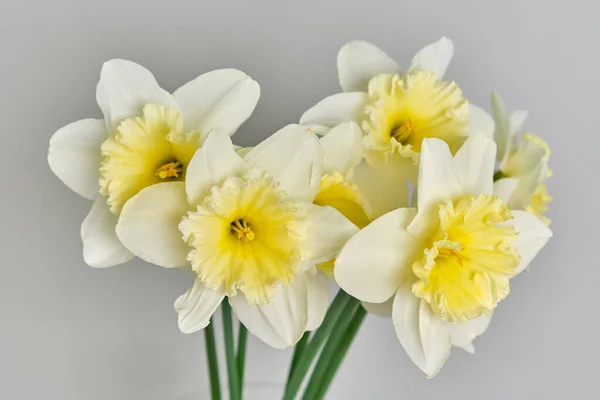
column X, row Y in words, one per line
column 312, row 348
column 329, row 350
column 298, row 350
column 213, row 362
column 232, row 371
column 341, row 351
column 241, row 355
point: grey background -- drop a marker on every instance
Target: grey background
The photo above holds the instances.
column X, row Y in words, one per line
column 69, row 332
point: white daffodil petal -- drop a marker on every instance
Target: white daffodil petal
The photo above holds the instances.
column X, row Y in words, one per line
column 434, row 57
column 376, row 260
column 222, row 99
column 149, row 224
column 196, row 306
column 214, row 162
column 504, row 188
column 318, row 129
column 359, row 61
column 101, row 246
column 318, row 300
column 480, row 122
column 74, row 155
column 342, row 148
column 533, row 235
column 327, row 230
column 463, row 333
column 125, row 88
column 474, row 163
column 424, row 336
column 380, row 309
column 293, row 156
column 438, row 179
column 385, row 185
column 517, row 120
column 337, row 109
column 502, row 130
column 281, row 322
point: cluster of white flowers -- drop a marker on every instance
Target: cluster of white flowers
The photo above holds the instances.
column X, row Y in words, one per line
column 410, row 198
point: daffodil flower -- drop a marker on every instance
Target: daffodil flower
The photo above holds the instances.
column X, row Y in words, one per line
column 344, row 188
column 250, row 231
column 448, row 262
column 147, row 136
column 396, row 110
column 523, row 167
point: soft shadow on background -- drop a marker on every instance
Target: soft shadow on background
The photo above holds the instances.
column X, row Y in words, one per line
column 70, row 332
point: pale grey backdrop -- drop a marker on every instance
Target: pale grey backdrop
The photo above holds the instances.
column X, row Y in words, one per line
column 69, row 332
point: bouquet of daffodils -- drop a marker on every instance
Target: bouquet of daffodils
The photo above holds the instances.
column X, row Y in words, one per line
column 419, row 205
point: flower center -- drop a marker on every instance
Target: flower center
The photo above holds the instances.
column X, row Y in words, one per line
column 170, row 170
column 242, row 230
column 134, row 157
column 245, row 236
column 466, row 270
column 404, row 109
column 402, row 132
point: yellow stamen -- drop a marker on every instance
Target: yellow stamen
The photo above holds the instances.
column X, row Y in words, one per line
column 242, row 229
column 170, row 170
column 403, row 131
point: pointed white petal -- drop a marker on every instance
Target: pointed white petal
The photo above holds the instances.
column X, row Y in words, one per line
column 222, row 99
column 74, row 155
column 504, row 188
column 293, row 156
column 438, row 179
column 359, row 61
column 342, row 148
column 337, row 109
column 196, row 306
column 480, row 122
column 380, row 309
column 434, row 57
column 212, row 164
column 101, row 246
column 424, row 336
column 533, row 235
column 318, row 129
column 125, row 88
column 502, row 131
column 149, row 224
column 517, row 120
column 474, row 163
column 327, row 231
column 385, row 185
column 462, row 334
column 281, row 322
column 318, row 300
column 376, row 260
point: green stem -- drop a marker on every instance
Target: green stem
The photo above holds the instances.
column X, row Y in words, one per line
column 298, row 350
column 213, row 362
column 241, row 355
column 341, row 351
column 329, row 350
column 312, row 348
column 232, row 371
